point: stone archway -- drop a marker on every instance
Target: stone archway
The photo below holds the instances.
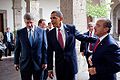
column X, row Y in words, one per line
column 116, row 18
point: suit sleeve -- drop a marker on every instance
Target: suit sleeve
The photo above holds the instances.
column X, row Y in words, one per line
column 50, row 52
column 12, row 38
column 4, row 40
column 17, row 49
column 112, row 65
column 44, row 48
column 83, row 37
column 82, row 46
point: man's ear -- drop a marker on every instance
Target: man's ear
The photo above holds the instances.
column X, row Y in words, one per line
column 61, row 18
column 106, row 29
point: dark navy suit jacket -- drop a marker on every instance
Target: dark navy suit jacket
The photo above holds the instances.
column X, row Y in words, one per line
column 65, row 59
column 84, row 45
column 106, row 59
column 27, row 55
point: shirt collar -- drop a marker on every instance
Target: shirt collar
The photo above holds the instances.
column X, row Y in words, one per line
column 31, row 29
column 61, row 27
column 101, row 38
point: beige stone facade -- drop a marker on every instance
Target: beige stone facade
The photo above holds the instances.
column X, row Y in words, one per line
column 115, row 18
column 74, row 12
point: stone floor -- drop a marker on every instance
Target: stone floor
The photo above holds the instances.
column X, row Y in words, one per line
column 7, row 71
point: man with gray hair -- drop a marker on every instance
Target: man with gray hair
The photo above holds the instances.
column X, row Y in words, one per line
column 30, row 53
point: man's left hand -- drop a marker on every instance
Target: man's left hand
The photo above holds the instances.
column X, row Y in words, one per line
column 44, row 66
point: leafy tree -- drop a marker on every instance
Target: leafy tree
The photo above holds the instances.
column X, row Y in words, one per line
column 97, row 10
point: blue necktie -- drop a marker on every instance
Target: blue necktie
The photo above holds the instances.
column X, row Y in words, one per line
column 30, row 37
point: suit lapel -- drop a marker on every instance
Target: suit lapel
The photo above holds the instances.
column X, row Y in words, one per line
column 55, row 35
column 36, row 34
column 55, row 38
column 25, row 34
column 103, row 43
column 66, row 35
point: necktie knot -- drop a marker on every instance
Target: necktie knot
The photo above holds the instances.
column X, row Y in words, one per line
column 59, row 29
column 90, row 34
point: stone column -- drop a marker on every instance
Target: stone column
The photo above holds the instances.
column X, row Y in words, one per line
column 34, row 6
column 17, row 14
column 74, row 12
column 27, row 5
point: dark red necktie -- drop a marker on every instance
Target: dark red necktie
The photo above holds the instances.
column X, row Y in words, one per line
column 90, row 45
column 60, row 39
column 98, row 41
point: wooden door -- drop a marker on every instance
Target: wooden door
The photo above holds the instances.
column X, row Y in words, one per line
column 1, row 22
column 119, row 27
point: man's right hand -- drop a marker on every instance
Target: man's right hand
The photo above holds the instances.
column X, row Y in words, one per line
column 16, row 67
column 90, row 60
column 51, row 74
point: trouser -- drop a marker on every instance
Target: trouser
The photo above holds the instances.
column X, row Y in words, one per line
column 31, row 74
column 8, row 49
column 45, row 74
column 65, row 71
column 0, row 54
column 87, row 56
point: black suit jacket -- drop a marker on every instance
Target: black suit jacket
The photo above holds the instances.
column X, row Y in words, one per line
column 106, row 59
column 65, row 59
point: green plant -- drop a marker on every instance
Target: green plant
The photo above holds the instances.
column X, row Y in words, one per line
column 97, row 10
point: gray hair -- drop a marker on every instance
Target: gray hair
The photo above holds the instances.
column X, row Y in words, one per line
column 91, row 24
column 58, row 13
column 28, row 16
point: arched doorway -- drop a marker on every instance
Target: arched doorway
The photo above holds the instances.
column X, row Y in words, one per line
column 116, row 21
column 3, row 20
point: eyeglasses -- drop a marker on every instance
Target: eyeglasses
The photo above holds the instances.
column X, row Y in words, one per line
column 53, row 17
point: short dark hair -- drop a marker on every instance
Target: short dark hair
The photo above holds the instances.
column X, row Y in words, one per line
column 59, row 13
column 40, row 21
column 28, row 16
column 108, row 24
column 49, row 23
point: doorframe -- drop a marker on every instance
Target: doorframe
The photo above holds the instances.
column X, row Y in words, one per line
column 4, row 12
column 118, row 27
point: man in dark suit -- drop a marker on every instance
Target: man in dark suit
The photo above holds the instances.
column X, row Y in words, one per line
column 86, row 48
column 61, row 40
column 8, row 40
column 30, row 54
column 106, row 56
